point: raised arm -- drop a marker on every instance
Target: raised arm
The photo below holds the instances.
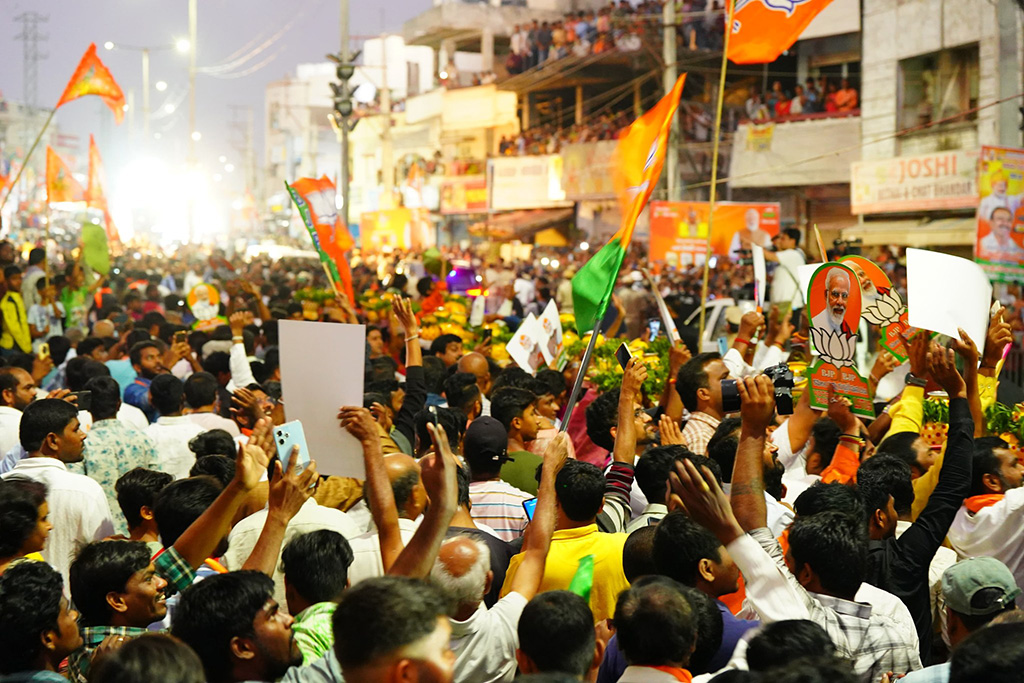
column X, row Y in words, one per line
column 619, row 478
column 965, row 348
column 439, row 479
column 757, row 397
column 415, row 384
column 241, row 373
column 289, row 491
column 377, row 490
column 537, row 540
column 203, row 536
column 671, row 403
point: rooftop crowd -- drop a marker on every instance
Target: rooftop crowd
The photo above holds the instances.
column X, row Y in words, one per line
column 151, row 530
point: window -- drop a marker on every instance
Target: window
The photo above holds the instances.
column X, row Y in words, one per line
column 941, row 86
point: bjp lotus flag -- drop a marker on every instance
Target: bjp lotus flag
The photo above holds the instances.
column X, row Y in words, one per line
column 640, row 155
column 93, row 78
column 61, row 186
column 314, row 198
column 764, row 29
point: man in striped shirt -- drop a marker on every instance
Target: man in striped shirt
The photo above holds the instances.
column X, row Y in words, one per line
column 496, row 503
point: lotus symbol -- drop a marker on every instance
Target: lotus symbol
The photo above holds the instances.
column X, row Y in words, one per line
column 834, row 348
column 886, row 310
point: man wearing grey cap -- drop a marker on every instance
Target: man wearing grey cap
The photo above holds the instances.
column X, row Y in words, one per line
column 496, row 503
column 976, row 590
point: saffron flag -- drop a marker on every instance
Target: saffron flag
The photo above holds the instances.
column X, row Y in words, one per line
column 640, row 155
column 61, row 186
column 314, row 199
column 93, row 78
column 764, row 29
column 94, row 194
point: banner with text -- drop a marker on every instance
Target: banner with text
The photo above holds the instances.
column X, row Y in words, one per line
column 464, row 194
column 679, row 230
column 943, row 180
column 999, row 245
column 532, row 182
column 587, row 170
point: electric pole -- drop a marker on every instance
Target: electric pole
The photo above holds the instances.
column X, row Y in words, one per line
column 31, row 37
column 668, row 19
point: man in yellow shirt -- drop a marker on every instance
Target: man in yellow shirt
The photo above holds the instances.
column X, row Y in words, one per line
column 16, row 337
column 579, row 489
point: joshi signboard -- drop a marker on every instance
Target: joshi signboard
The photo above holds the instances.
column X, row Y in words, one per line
column 943, row 180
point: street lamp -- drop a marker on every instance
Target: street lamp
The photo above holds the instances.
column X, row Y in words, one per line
column 183, row 45
column 110, row 45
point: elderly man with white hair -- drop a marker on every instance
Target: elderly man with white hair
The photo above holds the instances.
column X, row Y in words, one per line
column 485, row 640
column 837, row 294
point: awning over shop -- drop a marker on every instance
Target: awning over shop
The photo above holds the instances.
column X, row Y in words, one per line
column 522, row 225
column 915, row 233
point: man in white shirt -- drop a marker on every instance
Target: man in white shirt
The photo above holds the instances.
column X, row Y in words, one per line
column 785, row 290
column 485, row 640
column 17, row 391
column 172, row 431
column 989, row 521
column 201, row 401
column 78, row 507
column 310, row 517
column 410, row 499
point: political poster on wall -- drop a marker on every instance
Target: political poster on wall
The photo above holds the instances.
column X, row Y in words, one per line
column 999, row 245
column 679, row 230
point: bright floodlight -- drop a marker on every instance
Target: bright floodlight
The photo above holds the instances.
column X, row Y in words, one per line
column 584, row 245
column 109, row 45
column 197, row 136
column 169, row 108
column 182, row 45
column 222, row 159
column 161, row 86
column 229, row 168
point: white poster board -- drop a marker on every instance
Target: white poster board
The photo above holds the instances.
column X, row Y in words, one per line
column 551, row 325
column 524, row 347
column 760, row 273
column 322, row 368
column 946, row 292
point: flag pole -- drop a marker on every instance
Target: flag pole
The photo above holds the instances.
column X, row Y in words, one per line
column 24, row 162
column 578, row 384
column 731, row 7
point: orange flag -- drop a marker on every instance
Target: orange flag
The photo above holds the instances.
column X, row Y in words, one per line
column 61, row 186
column 93, row 78
column 764, row 29
column 333, row 237
column 94, row 193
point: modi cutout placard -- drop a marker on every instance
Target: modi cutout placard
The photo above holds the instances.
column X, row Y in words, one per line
column 833, row 309
column 321, row 371
column 881, row 304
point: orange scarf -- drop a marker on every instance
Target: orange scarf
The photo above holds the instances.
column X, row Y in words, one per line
column 975, row 504
column 679, row 674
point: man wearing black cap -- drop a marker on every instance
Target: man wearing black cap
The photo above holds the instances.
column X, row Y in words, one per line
column 496, row 503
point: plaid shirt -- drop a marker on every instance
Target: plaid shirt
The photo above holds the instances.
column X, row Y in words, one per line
column 873, row 642
column 698, row 431
column 171, row 567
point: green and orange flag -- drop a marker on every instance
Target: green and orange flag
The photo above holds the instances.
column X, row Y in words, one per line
column 640, row 155
column 315, row 200
column 93, row 78
column 61, row 186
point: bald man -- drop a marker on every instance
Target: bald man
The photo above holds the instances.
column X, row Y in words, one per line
column 485, row 640
column 476, row 364
column 410, row 499
column 103, row 329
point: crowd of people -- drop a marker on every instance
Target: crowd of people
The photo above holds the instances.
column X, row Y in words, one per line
column 815, row 96
column 151, row 529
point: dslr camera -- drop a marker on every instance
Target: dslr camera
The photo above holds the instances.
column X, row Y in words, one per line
column 782, row 379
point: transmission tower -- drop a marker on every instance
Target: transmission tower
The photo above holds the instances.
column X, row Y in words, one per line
column 31, row 37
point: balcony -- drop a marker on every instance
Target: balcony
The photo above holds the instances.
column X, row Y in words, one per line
column 815, row 149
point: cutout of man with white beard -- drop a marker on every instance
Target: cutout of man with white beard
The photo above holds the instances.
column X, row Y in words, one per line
column 837, row 293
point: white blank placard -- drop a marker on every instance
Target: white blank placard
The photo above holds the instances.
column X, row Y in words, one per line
column 946, row 292
column 322, row 370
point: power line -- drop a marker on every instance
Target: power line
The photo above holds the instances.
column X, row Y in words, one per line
column 31, row 37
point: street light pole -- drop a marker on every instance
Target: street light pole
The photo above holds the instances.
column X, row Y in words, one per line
column 145, row 94
column 344, row 122
column 192, row 31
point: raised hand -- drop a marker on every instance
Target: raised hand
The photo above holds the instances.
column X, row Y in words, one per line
column 671, row 435
column 557, row 452
column 290, row 487
column 252, row 461
column 238, row 322
column 698, row 493
column 966, row 349
column 943, row 368
column 438, row 470
column 750, row 323
column 402, row 309
column 359, row 423
column 757, row 402
column 884, row 364
column 678, row 356
column 998, row 337
column 917, row 350
column 839, row 411
column 633, row 378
